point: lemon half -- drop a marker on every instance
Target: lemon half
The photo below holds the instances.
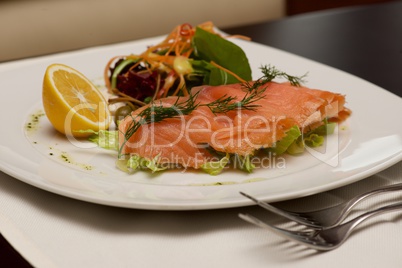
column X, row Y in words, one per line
column 72, row 103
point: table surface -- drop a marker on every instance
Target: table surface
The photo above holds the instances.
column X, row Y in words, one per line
column 364, row 41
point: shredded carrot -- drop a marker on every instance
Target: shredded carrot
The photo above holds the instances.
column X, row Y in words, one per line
column 181, row 86
column 135, row 65
column 243, row 37
column 228, row 71
column 162, row 55
column 186, row 29
column 169, row 81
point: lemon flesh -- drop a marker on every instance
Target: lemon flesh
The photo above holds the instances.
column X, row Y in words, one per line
column 72, row 103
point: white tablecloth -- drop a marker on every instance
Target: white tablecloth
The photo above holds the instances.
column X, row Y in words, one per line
column 54, row 231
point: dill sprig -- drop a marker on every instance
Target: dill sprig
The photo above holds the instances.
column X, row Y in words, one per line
column 220, row 105
column 157, row 113
column 270, row 73
column 226, row 103
column 254, row 90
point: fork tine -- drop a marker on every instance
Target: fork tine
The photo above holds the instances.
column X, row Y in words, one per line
column 307, row 238
column 262, row 224
column 289, row 215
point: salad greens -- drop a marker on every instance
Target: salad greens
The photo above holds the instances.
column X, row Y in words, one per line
column 282, row 146
column 188, row 57
column 216, row 167
column 295, row 141
column 135, row 162
column 244, row 163
column 209, row 48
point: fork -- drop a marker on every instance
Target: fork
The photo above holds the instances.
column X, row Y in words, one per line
column 325, row 239
column 324, row 218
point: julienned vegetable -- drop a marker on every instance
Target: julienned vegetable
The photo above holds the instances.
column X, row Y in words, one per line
column 187, row 57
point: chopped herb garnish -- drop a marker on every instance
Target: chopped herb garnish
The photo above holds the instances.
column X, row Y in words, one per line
column 270, row 73
column 226, row 103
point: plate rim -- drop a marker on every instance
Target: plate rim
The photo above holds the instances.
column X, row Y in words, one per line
column 188, row 205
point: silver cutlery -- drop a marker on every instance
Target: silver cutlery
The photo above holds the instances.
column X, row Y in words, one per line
column 325, row 239
column 328, row 217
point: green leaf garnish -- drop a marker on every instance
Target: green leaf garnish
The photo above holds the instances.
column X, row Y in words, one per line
column 314, row 140
column 107, row 139
column 215, row 167
column 136, row 162
column 244, row 163
column 211, row 47
column 282, row 145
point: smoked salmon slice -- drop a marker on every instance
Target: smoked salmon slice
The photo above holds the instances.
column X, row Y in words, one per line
column 186, row 140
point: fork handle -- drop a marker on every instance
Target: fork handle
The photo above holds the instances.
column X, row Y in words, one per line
column 356, row 221
column 354, row 201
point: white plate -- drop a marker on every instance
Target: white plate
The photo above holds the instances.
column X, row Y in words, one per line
column 370, row 141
